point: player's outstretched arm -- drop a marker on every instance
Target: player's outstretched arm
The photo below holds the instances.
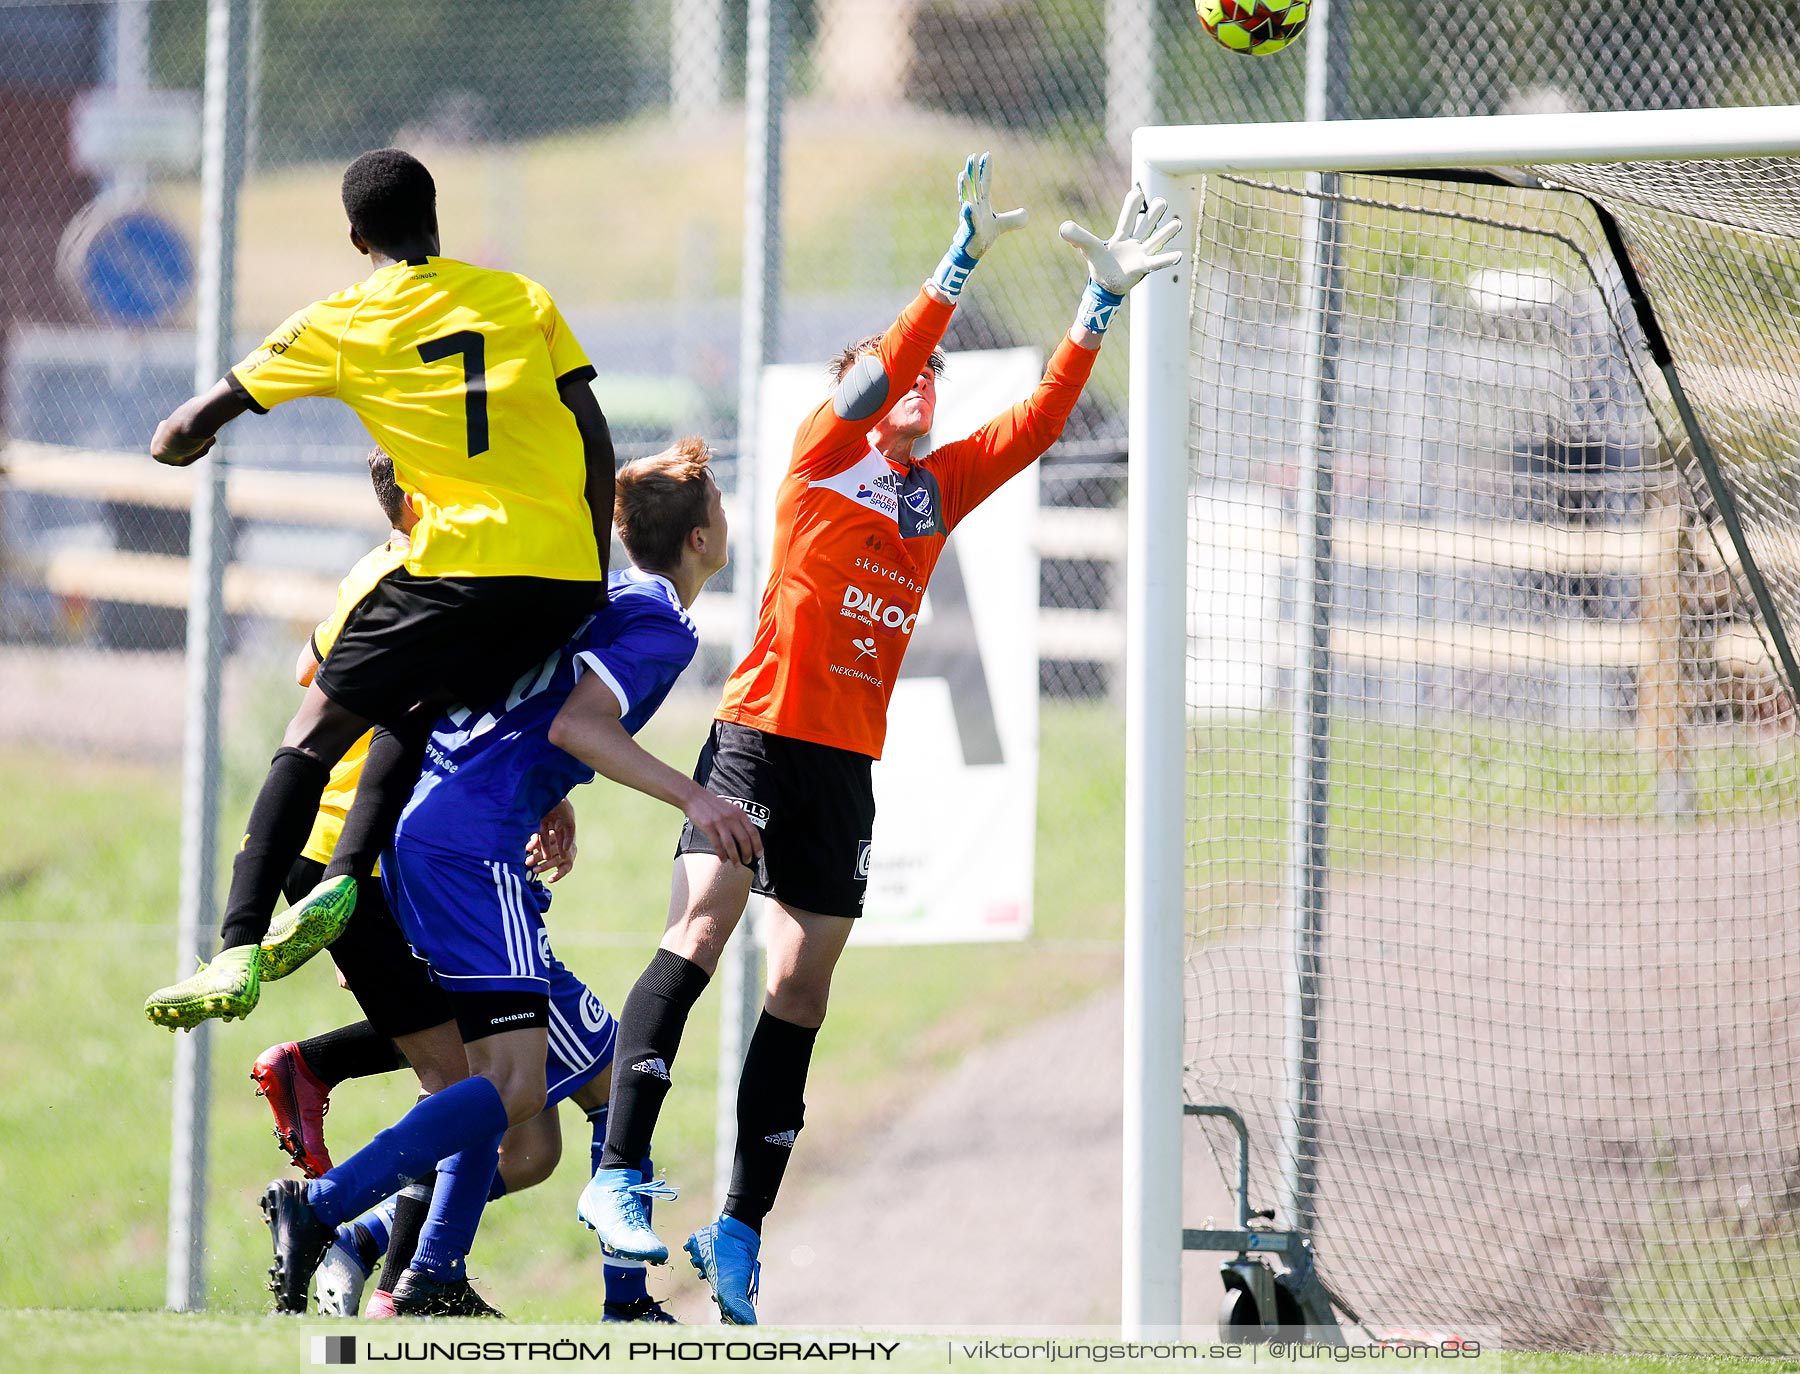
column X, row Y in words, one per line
column 977, row 227
column 1118, row 263
column 597, row 444
column 189, row 431
column 588, row 726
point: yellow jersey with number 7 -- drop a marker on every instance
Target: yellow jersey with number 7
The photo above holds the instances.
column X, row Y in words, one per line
column 454, row 370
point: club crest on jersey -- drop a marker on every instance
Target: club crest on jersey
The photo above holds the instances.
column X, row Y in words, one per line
column 863, row 849
column 919, row 506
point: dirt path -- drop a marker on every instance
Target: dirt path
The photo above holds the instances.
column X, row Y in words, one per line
column 1559, row 1101
column 993, row 1197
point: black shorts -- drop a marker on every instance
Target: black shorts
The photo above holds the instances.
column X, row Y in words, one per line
column 391, row 984
column 815, row 806
column 465, row 639
column 481, row 1014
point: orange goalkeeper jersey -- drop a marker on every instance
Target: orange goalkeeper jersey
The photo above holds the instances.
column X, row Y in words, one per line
column 857, row 537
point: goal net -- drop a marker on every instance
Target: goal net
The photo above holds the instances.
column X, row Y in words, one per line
column 1492, row 792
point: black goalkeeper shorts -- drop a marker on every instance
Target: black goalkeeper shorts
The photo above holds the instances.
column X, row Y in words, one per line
column 814, row 805
column 444, row 639
column 391, row 984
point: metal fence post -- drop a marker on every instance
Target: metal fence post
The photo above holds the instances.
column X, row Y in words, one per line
column 765, row 79
column 221, row 173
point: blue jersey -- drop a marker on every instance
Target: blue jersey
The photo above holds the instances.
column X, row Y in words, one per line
column 490, row 777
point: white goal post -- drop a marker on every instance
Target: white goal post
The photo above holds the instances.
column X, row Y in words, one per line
column 1178, row 164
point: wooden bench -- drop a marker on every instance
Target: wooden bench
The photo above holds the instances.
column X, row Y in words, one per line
column 138, row 578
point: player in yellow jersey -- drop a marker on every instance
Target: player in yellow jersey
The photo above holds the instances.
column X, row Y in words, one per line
column 473, row 382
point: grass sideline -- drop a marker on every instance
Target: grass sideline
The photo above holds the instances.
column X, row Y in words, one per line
column 167, row 1343
column 87, row 890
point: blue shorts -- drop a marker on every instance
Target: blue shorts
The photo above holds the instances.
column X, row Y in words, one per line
column 480, row 925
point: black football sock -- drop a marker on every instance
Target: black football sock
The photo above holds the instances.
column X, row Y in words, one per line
column 412, row 1207
column 650, row 1029
column 278, row 826
column 771, row 1111
column 389, row 774
column 355, row 1051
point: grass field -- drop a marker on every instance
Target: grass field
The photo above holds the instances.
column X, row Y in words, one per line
column 87, row 887
column 87, row 892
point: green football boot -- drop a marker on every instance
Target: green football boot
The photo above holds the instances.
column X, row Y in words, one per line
column 307, row 927
column 227, row 988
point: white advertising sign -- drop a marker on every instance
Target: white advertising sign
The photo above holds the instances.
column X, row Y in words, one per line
column 956, row 788
column 114, row 131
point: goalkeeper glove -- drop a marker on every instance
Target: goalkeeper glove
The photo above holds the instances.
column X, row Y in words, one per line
column 979, row 226
column 1119, row 263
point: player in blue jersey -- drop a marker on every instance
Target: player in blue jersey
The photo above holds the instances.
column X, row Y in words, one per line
column 468, row 902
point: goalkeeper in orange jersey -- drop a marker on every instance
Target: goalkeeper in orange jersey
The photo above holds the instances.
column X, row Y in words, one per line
column 860, row 523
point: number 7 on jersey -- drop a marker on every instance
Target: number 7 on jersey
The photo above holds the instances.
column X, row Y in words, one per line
column 473, row 348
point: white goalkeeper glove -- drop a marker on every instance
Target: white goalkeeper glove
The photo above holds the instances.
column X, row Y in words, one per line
column 1119, row 263
column 979, row 226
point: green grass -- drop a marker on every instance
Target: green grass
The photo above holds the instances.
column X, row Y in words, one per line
column 87, row 892
column 1398, row 793
column 88, row 884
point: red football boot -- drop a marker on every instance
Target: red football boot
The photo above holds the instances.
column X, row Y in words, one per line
column 381, row 1305
column 299, row 1100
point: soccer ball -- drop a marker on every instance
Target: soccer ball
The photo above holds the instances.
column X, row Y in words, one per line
column 1258, row 27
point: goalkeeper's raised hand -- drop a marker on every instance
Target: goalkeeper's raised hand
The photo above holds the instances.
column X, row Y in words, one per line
column 977, row 228
column 1117, row 264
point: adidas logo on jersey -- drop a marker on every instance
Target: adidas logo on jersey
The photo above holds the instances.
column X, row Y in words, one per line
column 654, row 1067
column 785, row 1139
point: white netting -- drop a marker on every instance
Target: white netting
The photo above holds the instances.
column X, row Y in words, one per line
column 1519, row 758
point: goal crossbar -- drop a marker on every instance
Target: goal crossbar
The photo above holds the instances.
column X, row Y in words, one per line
column 1391, row 145
column 1165, row 161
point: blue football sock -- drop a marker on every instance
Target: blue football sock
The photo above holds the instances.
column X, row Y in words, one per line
column 463, row 1114
column 377, row 1221
column 456, row 1203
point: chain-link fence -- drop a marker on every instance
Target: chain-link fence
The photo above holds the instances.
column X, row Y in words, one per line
column 597, row 147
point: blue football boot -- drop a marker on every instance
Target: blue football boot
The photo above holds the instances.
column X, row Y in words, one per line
column 724, row 1254
column 614, row 1206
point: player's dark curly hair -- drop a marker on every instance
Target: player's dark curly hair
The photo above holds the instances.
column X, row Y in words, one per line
column 389, row 197
column 387, row 490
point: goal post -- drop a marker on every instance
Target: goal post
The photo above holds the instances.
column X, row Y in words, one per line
column 1464, row 564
